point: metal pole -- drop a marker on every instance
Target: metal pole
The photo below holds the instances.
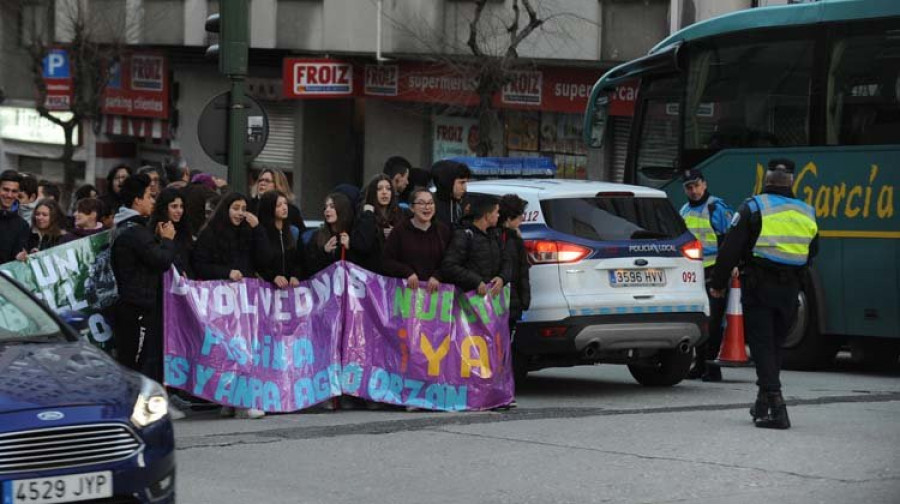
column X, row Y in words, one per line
column 237, row 135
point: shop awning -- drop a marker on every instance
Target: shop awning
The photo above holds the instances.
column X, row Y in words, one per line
column 140, row 127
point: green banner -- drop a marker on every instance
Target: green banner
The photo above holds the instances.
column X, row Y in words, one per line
column 74, row 280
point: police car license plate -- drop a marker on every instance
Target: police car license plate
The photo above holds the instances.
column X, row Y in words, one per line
column 637, row 277
column 58, row 489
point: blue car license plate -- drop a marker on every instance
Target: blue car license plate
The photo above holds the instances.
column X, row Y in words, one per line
column 59, row 489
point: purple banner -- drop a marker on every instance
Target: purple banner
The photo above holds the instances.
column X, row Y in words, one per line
column 344, row 331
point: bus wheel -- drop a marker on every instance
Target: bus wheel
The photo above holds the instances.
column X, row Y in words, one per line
column 805, row 348
column 875, row 354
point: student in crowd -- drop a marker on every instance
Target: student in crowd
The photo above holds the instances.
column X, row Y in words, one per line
column 202, row 188
column 397, row 169
column 48, row 190
column 114, row 180
column 47, row 223
column 85, row 191
column 178, row 173
column 415, row 248
column 451, row 179
column 274, row 179
column 157, row 178
column 13, row 229
column 475, row 258
column 28, row 197
column 377, row 218
column 105, row 215
column 87, row 219
column 331, row 243
column 170, row 208
column 512, row 210
column 284, row 265
column 140, row 255
column 230, row 246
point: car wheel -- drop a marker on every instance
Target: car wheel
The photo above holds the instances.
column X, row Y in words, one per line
column 668, row 368
column 805, row 347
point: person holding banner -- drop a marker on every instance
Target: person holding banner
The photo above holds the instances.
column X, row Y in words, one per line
column 378, row 217
column 284, row 266
column 475, row 258
column 170, row 208
column 331, row 243
column 231, row 246
column 415, row 248
column 138, row 261
column 47, row 223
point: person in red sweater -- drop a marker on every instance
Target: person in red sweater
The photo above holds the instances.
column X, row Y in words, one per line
column 415, row 248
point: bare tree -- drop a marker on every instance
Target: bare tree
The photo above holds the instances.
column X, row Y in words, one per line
column 89, row 63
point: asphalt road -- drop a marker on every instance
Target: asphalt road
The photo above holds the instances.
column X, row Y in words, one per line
column 579, row 435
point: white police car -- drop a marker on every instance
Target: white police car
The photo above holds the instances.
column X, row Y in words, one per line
column 616, row 277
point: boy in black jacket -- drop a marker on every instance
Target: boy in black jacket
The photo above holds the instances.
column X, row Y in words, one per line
column 475, row 258
column 512, row 210
column 138, row 260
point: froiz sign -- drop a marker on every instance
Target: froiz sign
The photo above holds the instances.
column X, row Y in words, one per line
column 381, row 80
column 317, row 78
column 523, row 89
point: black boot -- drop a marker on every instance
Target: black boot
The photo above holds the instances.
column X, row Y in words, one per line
column 713, row 373
column 778, row 415
column 760, row 408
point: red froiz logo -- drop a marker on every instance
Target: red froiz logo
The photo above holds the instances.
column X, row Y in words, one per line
column 322, row 78
column 382, row 80
column 524, row 89
column 147, row 73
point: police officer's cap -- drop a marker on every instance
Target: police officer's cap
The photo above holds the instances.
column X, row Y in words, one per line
column 692, row 175
column 784, row 165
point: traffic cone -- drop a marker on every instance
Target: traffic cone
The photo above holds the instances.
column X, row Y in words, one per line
column 733, row 352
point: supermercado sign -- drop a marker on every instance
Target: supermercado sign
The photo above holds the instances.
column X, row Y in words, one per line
column 543, row 88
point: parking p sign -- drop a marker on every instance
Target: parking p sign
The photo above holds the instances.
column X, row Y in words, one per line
column 57, row 74
column 56, row 64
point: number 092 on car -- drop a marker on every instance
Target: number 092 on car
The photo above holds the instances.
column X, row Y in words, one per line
column 58, row 489
column 637, row 277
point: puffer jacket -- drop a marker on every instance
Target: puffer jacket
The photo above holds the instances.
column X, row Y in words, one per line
column 475, row 256
column 14, row 232
column 138, row 260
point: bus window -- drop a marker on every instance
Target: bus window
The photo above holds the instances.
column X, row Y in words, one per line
column 864, row 90
column 748, row 95
column 657, row 148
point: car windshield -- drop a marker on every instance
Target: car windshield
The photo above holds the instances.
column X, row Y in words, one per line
column 614, row 218
column 22, row 319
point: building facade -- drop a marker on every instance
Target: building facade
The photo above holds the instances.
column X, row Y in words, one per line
column 345, row 84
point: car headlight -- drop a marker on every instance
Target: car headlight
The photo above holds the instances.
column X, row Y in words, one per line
column 152, row 404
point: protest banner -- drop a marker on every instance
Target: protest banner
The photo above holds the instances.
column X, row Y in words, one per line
column 71, row 280
column 344, row 331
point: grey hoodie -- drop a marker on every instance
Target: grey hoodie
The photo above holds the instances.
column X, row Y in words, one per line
column 25, row 211
column 123, row 215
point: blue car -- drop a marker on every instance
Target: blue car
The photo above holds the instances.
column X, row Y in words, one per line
column 75, row 426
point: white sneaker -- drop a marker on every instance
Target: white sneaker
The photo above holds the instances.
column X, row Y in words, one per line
column 175, row 413
column 248, row 414
column 226, row 412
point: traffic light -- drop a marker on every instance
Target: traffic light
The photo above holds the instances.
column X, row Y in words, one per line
column 231, row 23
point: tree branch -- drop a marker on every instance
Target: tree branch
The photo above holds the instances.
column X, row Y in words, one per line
column 514, row 26
column 473, row 29
column 534, row 22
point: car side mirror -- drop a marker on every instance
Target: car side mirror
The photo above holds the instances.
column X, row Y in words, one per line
column 598, row 115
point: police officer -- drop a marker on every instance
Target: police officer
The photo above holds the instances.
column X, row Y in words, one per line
column 707, row 218
column 774, row 237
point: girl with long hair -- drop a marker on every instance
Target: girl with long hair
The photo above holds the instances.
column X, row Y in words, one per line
column 378, row 216
column 331, row 243
column 170, row 208
column 415, row 248
column 47, row 224
column 284, row 265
